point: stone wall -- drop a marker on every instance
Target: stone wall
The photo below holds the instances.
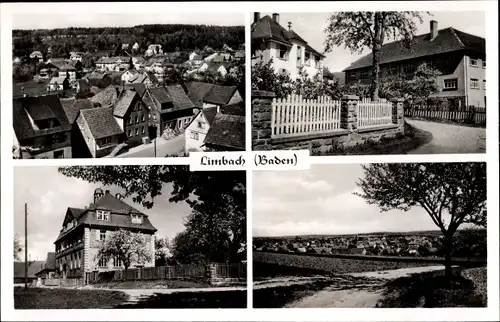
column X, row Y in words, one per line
column 348, row 135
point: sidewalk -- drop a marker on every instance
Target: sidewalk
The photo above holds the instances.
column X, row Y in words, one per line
column 163, row 148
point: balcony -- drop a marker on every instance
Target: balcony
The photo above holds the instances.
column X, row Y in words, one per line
column 69, row 249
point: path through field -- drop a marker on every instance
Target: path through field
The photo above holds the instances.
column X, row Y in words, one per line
column 356, row 290
column 450, row 138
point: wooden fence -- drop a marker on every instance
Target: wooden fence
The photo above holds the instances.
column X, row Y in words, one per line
column 222, row 270
column 372, row 114
column 296, row 116
column 465, row 115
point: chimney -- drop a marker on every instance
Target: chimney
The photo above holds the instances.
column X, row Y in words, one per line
column 289, row 25
column 434, row 29
column 256, row 16
column 119, row 196
column 97, row 194
column 276, row 18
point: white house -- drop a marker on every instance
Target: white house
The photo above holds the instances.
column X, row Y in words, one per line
column 76, row 56
column 197, row 129
column 135, row 46
column 220, row 68
column 154, row 50
column 129, row 75
column 66, row 70
column 195, row 56
column 285, row 47
column 56, row 84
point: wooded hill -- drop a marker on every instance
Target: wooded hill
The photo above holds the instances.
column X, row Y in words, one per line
column 173, row 37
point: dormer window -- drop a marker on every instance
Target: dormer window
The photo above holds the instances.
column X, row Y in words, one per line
column 474, row 62
column 103, row 215
column 136, row 219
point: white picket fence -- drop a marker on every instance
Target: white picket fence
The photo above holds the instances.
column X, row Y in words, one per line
column 372, row 114
column 295, row 116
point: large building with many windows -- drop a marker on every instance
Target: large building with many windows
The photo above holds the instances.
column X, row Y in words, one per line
column 288, row 51
column 84, row 230
column 460, row 57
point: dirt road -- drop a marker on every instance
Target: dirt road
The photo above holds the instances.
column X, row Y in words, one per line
column 450, row 138
column 356, row 290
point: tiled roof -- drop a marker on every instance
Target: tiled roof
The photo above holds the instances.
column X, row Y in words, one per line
column 68, row 67
column 138, row 87
column 447, row 40
column 33, row 268
column 113, row 60
column 42, row 106
column 124, row 102
column 227, row 131
column 214, row 66
column 160, row 94
column 209, row 114
column 57, row 80
column 266, row 28
column 199, row 92
column 50, row 262
column 119, row 218
column 72, row 107
column 179, row 98
column 101, row 122
column 106, row 97
column 95, row 75
column 234, row 109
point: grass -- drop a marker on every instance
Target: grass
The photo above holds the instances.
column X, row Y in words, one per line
column 195, row 300
column 58, row 298
column 401, row 144
column 432, row 290
column 277, row 297
column 144, row 284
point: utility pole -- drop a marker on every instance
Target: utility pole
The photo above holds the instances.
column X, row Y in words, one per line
column 154, row 140
column 26, row 246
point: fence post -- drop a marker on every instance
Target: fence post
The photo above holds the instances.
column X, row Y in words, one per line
column 398, row 113
column 261, row 119
column 349, row 113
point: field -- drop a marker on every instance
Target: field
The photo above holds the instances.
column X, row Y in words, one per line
column 330, row 264
column 58, row 298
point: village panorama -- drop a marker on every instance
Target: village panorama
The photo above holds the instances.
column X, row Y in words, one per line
column 152, row 90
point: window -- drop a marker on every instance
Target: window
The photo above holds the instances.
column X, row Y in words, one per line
column 409, row 68
column 299, row 56
column 283, row 52
column 136, row 119
column 103, row 262
column 58, row 137
column 200, row 125
column 318, row 61
column 129, row 133
column 143, row 130
column 450, row 83
column 117, row 262
column 103, row 215
column 102, row 235
column 484, row 63
column 484, row 84
column 474, row 62
column 59, row 154
column 136, row 131
column 194, row 135
column 364, row 75
column 474, row 83
column 106, row 140
column 136, row 219
column 307, row 59
column 142, row 117
column 130, row 121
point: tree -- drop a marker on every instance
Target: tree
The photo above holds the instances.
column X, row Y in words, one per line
column 88, row 61
column 128, row 247
column 217, row 200
column 265, row 78
column 358, row 30
column 18, row 248
column 422, row 85
column 162, row 251
column 454, row 189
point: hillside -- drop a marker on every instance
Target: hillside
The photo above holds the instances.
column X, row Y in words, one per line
column 172, row 37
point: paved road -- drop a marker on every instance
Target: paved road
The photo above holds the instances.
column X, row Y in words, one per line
column 450, row 138
column 163, row 147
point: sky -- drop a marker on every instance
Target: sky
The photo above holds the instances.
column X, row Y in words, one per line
column 321, row 201
column 49, row 194
column 310, row 27
column 52, row 21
